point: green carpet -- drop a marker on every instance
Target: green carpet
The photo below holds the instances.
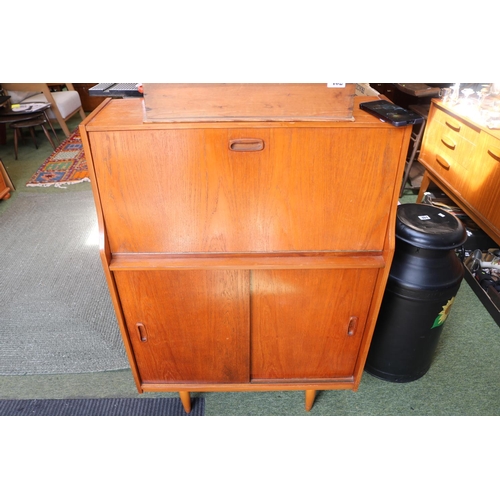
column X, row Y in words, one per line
column 56, row 314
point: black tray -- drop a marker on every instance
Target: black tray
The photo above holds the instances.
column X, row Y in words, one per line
column 486, row 300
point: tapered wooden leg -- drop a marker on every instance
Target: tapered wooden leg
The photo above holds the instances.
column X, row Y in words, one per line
column 424, row 185
column 186, row 401
column 16, row 137
column 32, row 132
column 310, row 396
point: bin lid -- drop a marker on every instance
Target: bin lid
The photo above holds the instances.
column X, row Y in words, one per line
column 426, row 226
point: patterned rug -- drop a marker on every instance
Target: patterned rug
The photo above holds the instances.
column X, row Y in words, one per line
column 66, row 165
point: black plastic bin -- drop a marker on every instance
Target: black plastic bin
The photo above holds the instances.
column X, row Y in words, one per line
column 425, row 277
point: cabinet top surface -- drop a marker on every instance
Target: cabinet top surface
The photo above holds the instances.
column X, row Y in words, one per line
column 129, row 114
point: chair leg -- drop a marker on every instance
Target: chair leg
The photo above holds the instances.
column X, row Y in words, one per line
column 64, row 128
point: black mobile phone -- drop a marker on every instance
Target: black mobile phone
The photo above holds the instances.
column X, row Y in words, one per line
column 391, row 113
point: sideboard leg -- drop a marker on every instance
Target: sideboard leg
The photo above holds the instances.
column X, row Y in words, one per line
column 186, row 401
column 310, row 396
column 424, row 185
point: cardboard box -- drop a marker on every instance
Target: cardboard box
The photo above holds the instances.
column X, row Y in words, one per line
column 363, row 89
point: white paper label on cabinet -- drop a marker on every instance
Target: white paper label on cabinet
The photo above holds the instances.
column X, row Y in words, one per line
column 336, row 85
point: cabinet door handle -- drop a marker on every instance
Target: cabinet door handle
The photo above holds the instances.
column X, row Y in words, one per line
column 246, row 145
column 453, row 125
column 448, row 142
column 494, row 154
column 353, row 323
column 442, row 162
column 141, row 330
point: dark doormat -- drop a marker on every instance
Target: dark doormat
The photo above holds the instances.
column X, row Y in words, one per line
column 134, row 407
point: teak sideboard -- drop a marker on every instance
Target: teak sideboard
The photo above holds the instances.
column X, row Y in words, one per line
column 462, row 157
column 245, row 256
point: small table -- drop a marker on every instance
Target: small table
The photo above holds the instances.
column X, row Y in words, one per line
column 31, row 123
column 37, row 109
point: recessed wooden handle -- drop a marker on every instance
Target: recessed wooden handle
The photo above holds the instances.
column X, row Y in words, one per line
column 453, row 125
column 141, row 330
column 442, row 162
column 353, row 323
column 494, row 153
column 246, row 145
column 448, row 142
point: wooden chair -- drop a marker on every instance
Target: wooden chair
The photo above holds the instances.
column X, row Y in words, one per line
column 63, row 105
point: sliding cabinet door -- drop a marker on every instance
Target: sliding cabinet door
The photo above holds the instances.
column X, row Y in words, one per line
column 187, row 326
column 308, row 324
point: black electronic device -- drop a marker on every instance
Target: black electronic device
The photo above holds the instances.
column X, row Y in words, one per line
column 115, row 90
column 391, row 113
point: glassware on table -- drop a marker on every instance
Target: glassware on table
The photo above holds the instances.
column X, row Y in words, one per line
column 467, row 93
column 445, row 94
column 455, row 93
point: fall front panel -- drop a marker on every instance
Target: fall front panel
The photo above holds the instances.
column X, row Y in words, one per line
column 246, row 190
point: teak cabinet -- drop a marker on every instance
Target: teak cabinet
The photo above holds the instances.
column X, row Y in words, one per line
column 245, row 256
column 462, row 157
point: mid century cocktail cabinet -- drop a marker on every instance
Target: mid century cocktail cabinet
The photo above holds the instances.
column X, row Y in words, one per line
column 245, row 255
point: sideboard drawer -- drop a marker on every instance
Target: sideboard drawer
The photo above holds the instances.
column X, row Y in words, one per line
column 484, row 185
column 447, row 148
